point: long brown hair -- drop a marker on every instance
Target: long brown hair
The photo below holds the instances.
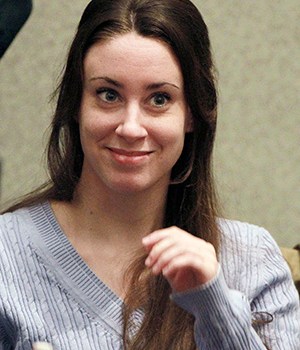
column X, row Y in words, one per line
column 191, row 203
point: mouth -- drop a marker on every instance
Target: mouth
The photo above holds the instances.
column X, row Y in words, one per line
column 129, row 153
column 129, row 158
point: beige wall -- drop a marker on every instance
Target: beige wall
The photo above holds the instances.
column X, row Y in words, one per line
column 257, row 51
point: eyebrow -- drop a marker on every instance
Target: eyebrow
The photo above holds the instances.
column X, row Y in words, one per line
column 152, row 86
column 108, row 80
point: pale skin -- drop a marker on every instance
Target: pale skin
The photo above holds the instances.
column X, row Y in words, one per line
column 133, row 120
column 186, row 261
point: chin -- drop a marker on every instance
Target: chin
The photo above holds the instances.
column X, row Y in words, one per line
column 129, row 188
column 135, row 186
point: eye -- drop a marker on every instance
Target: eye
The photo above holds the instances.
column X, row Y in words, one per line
column 160, row 99
column 108, row 95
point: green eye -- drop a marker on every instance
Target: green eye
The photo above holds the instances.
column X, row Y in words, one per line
column 160, row 99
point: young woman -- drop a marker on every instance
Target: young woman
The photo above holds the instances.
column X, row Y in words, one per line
column 124, row 247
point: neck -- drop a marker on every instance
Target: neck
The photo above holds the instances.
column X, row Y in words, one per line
column 121, row 219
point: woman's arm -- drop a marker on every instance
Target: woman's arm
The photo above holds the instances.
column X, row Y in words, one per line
column 224, row 317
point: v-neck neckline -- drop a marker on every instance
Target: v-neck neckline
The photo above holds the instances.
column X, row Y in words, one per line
column 71, row 271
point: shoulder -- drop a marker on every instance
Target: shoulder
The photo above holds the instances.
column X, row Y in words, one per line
column 250, row 257
column 14, row 229
column 12, row 222
column 245, row 236
column 17, row 254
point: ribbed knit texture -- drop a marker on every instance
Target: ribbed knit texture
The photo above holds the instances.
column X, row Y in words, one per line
column 48, row 293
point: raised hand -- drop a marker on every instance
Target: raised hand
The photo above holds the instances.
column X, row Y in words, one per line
column 184, row 260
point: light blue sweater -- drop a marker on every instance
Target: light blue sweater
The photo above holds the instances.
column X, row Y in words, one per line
column 48, row 293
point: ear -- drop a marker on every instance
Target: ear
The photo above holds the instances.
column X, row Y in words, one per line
column 189, row 124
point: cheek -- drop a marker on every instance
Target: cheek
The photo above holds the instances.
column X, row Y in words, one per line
column 89, row 136
column 172, row 139
column 91, row 123
column 93, row 127
column 87, row 131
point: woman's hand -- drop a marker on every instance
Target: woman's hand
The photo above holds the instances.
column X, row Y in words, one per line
column 184, row 260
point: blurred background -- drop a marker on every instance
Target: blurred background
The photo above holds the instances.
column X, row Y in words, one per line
column 256, row 46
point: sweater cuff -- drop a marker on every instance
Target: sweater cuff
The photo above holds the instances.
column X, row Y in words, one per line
column 213, row 300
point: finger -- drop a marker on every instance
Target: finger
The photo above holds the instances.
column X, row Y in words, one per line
column 165, row 257
column 185, row 260
column 154, row 237
column 196, row 246
column 157, row 250
column 203, row 270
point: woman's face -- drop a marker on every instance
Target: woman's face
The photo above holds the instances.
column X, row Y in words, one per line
column 133, row 116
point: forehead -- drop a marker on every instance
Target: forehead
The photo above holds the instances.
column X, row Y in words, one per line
column 132, row 53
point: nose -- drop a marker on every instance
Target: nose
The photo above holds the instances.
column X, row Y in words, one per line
column 130, row 126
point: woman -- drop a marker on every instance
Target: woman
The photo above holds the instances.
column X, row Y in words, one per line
column 123, row 247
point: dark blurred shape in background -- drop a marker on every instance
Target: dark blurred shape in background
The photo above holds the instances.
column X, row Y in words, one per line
column 13, row 15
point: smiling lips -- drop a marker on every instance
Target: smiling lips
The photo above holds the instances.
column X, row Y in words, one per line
column 126, row 153
column 129, row 157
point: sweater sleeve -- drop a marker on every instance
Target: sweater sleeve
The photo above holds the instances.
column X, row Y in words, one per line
column 8, row 333
column 224, row 317
column 276, row 294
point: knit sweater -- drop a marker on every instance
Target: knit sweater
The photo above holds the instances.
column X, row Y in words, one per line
column 48, row 293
